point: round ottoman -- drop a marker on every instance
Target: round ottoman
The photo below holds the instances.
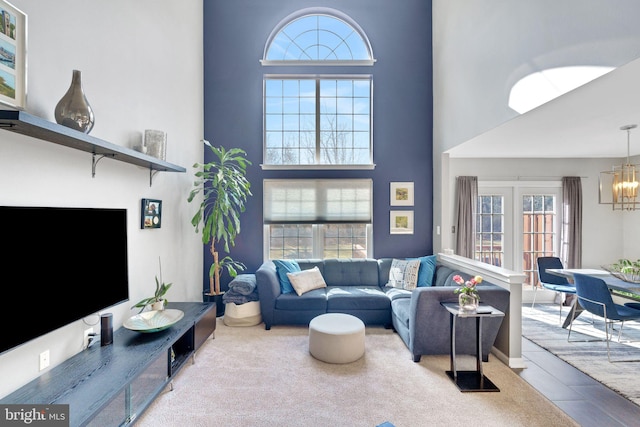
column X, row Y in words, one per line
column 336, row 338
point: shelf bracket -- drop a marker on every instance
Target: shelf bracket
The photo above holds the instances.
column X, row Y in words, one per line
column 152, row 173
column 94, row 162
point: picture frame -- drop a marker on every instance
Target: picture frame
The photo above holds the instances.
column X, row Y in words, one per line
column 150, row 213
column 401, row 194
column 401, row 222
column 13, row 56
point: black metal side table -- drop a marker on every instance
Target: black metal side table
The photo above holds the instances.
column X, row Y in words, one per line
column 470, row 380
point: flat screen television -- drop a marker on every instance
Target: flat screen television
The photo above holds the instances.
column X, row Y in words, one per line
column 59, row 265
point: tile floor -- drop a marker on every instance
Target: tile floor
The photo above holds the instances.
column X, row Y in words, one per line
column 584, row 399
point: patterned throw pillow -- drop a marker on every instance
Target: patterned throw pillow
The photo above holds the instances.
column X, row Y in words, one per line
column 404, row 274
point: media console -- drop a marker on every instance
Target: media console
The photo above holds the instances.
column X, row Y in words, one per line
column 114, row 384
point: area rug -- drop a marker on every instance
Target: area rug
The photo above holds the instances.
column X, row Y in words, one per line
column 251, row 377
column 542, row 325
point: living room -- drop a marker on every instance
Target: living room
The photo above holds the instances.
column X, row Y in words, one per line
column 122, row 48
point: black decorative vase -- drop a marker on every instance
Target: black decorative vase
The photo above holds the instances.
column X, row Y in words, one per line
column 220, row 305
column 73, row 110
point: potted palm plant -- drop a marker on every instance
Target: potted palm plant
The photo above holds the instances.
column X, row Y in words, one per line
column 225, row 190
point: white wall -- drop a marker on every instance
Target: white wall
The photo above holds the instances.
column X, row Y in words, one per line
column 141, row 64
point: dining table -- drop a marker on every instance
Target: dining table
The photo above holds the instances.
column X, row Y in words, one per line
column 619, row 287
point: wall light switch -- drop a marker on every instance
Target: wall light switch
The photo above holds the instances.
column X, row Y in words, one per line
column 44, row 360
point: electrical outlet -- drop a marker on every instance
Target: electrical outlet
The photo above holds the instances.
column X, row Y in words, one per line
column 44, row 360
column 87, row 333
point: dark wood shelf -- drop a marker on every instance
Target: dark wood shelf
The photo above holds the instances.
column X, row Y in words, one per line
column 36, row 127
column 113, row 385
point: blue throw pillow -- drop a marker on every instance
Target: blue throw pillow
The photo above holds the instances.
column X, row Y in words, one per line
column 284, row 266
column 427, row 270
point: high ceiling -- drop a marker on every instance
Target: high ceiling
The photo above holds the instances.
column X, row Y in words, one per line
column 584, row 123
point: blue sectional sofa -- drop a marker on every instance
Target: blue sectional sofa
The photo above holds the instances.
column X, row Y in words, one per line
column 359, row 287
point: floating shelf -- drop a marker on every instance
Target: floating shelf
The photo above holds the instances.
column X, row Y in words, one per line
column 36, row 127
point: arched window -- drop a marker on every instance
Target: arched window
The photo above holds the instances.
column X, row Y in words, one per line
column 314, row 120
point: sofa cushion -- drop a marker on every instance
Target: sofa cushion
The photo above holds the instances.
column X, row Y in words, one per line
column 312, row 300
column 348, row 298
column 284, row 266
column 306, row 280
column 427, row 270
column 350, row 272
column 404, row 274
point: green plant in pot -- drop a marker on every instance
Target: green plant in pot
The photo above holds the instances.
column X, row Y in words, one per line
column 158, row 297
column 225, row 190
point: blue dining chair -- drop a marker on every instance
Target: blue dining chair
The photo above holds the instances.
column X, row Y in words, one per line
column 595, row 297
column 552, row 281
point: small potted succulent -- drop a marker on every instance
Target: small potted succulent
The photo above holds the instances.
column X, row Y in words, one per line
column 157, row 301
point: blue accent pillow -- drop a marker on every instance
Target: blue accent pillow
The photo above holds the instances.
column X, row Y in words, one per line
column 284, row 266
column 427, row 270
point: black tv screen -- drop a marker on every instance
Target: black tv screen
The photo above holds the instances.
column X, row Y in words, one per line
column 59, row 265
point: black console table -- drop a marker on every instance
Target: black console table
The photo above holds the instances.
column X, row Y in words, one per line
column 114, row 384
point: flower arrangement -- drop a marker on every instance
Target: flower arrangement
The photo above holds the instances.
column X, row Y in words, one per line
column 468, row 287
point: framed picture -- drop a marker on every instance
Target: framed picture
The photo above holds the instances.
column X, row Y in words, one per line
column 13, row 56
column 401, row 222
column 151, row 216
column 401, row 194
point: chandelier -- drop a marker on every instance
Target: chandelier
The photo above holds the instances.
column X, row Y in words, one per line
column 622, row 180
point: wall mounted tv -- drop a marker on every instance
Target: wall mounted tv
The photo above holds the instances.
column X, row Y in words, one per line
column 59, row 265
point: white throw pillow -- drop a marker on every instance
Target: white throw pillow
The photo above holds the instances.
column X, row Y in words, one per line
column 404, row 274
column 306, row 280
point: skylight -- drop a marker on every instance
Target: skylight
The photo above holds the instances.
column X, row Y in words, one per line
column 543, row 86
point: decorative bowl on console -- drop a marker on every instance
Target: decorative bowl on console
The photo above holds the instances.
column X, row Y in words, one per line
column 153, row 321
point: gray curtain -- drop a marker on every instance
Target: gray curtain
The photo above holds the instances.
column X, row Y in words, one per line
column 467, row 194
column 571, row 251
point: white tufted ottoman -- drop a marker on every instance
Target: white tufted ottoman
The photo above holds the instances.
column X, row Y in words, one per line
column 336, row 338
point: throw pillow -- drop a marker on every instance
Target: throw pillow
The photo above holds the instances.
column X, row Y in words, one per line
column 404, row 274
column 427, row 270
column 307, row 280
column 284, row 266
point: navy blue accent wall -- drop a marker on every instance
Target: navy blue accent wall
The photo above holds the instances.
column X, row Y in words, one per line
column 235, row 33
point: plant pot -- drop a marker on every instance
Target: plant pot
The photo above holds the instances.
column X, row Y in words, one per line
column 217, row 298
column 159, row 305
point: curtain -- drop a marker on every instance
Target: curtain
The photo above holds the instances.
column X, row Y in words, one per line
column 467, row 192
column 571, row 234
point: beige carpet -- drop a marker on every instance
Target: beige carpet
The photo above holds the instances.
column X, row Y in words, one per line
column 251, row 377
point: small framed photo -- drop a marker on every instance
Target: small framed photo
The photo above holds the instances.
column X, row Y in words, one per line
column 13, row 56
column 401, row 194
column 401, row 222
column 151, row 213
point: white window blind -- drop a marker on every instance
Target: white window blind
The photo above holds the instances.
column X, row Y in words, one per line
column 317, row 201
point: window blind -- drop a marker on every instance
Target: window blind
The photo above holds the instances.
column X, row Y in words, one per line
column 317, row 201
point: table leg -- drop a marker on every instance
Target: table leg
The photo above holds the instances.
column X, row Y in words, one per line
column 452, row 353
column 479, row 345
column 574, row 312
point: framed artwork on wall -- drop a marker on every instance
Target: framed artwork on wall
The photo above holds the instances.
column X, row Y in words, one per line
column 401, row 194
column 151, row 213
column 13, row 56
column 401, row 222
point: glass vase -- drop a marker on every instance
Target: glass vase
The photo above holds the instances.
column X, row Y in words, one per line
column 73, row 110
column 468, row 302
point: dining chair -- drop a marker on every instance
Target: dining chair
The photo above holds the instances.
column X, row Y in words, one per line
column 594, row 296
column 552, row 281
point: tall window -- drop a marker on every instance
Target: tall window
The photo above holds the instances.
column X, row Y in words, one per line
column 490, row 229
column 312, row 118
column 540, row 237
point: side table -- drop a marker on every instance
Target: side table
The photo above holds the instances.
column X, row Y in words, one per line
column 470, row 380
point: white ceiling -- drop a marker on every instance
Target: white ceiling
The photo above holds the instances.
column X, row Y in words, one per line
column 582, row 123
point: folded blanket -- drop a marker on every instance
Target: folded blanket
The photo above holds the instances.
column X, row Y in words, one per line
column 235, row 297
column 243, row 284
